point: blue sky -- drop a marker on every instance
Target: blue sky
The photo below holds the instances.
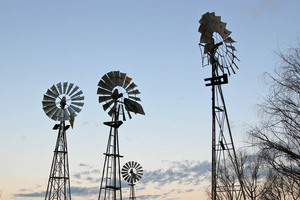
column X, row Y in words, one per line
column 156, row 43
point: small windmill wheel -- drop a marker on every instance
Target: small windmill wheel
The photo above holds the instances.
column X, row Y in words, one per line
column 119, row 94
column 62, row 101
column 132, row 172
column 216, row 43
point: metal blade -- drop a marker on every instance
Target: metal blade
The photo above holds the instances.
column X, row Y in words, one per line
column 47, row 103
column 103, row 91
column 59, row 87
column 131, row 87
column 74, row 90
column 78, row 103
column 48, row 98
column 104, row 98
column 79, row 98
column 70, row 87
column 108, row 82
column 105, row 86
column 65, row 85
column 55, row 115
column 135, row 98
column 51, row 111
column 122, row 78
column 134, row 92
column 112, row 110
column 75, row 108
column 54, row 90
column 117, row 77
column 49, row 108
column 71, row 111
column 77, row 94
column 113, row 79
column 66, row 115
column 51, row 94
column 107, row 105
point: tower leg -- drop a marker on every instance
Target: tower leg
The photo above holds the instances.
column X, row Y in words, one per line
column 59, row 180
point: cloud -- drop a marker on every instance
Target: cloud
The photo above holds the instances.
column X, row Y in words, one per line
column 182, row 172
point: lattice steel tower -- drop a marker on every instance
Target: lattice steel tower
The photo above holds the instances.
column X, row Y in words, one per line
column 61, row 102
column 217, row 51
column 119, row 96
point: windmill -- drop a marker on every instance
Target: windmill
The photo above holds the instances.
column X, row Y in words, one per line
column 61, row 102
column 118, row 94
column 217, row 50
column 132, row 172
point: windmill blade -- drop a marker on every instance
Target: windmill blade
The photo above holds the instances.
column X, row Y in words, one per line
column 133, row 106
column 134, row 92
column 55, row 115
column 58, row 85
column 70, row 87
column 49, row 109
column 103, row 91
column 117, row 77
column 71, row 111
column 75, row 108
column 54, row 90
column 130, row 87
column 134, row 164
column 48, row 98
column 51, row 94
column 104, row 85
column 79, row 98
column 51, row 112
column 107, row 105
column 65, row 85
column 108, row 82
column 74, row 90
column 48, row 104
column 112, row 110
column 77, row 94
column 104, row 98
column 66, row 114
column 122, row 78
column 78, row 103
column 135, row 98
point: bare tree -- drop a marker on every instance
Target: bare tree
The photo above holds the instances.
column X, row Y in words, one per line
column 278, row 134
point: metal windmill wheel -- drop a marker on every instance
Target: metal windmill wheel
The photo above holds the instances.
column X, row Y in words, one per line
column 63, row 101
column 132, row 172
column 118, row 94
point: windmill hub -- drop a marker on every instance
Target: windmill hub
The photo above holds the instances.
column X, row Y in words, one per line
column 116, row 94
column 63, row 102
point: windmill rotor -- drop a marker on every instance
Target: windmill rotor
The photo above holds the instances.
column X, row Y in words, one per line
column 216, row 43
column 132, row 172
column 62, row 101
column 118, row 94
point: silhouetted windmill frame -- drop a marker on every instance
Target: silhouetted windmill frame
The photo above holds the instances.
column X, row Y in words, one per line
column 60, row 103
column 119, row 95
column 217, row 51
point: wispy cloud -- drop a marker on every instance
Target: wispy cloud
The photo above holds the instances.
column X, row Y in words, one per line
column 182, row 172
column 178, row 172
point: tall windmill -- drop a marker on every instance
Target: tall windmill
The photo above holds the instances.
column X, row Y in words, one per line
column 217, row 51
column 61, row 102
column 119, row 97
column 132, row 172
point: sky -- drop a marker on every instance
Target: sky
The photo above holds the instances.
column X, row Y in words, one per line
column 156, row 43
